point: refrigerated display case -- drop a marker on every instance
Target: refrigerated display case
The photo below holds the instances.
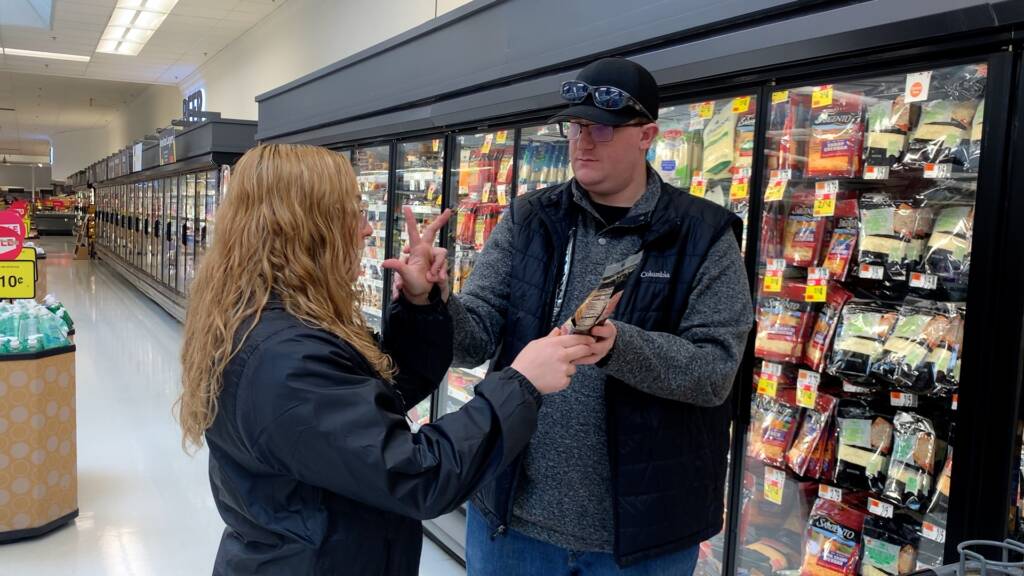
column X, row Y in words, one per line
column 886, row 195
column 172, row 246
column 482, row 181
column 372, row 166
column 863, row 271
column 543, row 158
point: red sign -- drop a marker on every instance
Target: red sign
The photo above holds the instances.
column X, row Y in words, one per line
column 20, row 206
column 916, row 89
column 12, row 234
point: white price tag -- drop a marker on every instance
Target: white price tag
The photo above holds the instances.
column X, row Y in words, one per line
column 696, row 124
column 876, row 172
column 925, row 281
column 830, row 493
column 854, row 389
column 938, row 171
column 807, row 388
column 917, row 87
column 871, row 272
column 956, row 402
column 933, row 532
column 879, row 508
column 781, row 175
column 903, row 400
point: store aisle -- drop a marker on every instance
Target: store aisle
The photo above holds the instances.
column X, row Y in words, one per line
column 145, row 507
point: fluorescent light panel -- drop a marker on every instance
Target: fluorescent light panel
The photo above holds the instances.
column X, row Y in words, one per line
column 50, row 55
column 132, row 25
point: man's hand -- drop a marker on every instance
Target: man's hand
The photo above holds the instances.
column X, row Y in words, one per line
column 604, row 334
column 424, row 265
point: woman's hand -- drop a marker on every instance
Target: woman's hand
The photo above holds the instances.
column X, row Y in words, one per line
column 423, row 266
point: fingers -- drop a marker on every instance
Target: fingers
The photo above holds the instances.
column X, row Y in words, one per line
column 394, row 264
column 410, row 226
column 576, row 353
column 571, row 340
column 602, row 331
column 439, row 262
column 429, row 234
column 556, row 331
column 587, row 360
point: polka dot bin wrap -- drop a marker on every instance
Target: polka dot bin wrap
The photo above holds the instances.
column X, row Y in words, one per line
column 38, row 464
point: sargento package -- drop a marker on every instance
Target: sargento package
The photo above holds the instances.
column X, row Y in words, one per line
column 804, row 235
column 812, row 434
column 832, row 542
column 784, row 323
column 773, row 426
column 865, row 442
column 816, row 350
column 837, row 134
column 860, row 341
column 844, row 239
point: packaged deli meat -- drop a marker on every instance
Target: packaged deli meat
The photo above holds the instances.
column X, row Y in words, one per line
column 949, row 247
column 923, row 348
column 865, row 442
column 820, row 342
column 890, row 545
column 892, row 237
column 864, row 327
column 889, row 121
column 933, row 529
column 837, row 137
column 832, row 543
column 912, row 465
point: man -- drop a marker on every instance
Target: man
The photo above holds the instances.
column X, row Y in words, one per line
column 627, row 470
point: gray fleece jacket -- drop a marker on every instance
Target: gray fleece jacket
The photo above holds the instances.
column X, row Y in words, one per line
column 565, row 497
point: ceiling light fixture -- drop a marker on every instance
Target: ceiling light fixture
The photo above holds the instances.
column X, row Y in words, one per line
column 132, row 25
column 50, row 55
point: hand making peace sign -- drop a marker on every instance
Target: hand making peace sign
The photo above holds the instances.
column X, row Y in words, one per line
column 424, row 265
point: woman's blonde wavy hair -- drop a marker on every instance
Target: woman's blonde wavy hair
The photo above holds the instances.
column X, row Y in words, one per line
column 290, row 225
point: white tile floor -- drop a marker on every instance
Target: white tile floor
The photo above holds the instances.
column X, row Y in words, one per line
column 145, row 507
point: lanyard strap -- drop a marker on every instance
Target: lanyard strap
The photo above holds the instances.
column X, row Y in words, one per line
column 566, row 270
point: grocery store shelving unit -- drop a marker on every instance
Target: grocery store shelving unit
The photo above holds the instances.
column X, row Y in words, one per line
column 153, row 225
column 715, row 62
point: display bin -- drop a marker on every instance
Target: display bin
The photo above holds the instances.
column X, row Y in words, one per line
column 38, row 454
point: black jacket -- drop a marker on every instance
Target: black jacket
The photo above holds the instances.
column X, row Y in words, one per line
column 668, row 458
column 313, row 465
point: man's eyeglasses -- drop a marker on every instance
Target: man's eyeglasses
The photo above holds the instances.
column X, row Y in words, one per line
column 605, row 97
column 598, row 132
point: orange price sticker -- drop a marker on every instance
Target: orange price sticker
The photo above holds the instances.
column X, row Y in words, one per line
column 821, row 96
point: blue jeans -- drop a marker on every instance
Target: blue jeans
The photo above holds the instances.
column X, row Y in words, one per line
column 515, row 554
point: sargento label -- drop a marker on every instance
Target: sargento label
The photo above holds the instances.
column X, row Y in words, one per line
column 746, row 120
column 827, row 525
column 837, row 148
column 835, row 117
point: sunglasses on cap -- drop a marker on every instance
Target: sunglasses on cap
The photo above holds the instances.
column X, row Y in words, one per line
column 605, row 97
column 598, row 132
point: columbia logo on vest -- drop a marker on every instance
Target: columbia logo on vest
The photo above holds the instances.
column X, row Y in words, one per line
column 655, row 275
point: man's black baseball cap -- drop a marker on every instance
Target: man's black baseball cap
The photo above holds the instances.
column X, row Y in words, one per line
column 620, row 73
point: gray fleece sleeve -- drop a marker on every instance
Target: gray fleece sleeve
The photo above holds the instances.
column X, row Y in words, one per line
column 478, row 312
column 698, row 364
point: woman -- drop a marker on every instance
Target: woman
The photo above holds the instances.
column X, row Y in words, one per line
column 312, row 462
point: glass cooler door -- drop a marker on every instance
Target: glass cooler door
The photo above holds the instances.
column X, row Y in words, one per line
column 419, row 185
column 481, row 176
column 372, row 166
column 864, row 254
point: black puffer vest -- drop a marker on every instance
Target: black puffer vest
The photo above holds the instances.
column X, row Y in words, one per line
column 668, row 458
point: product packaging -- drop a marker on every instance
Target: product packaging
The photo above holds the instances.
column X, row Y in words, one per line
column 889, row 121
column 832, row 543
column 719, row 144
column 865, row 442
column 804, row 235
column 933, row 529
column 890, row 545
column 820, row 342
column 863, row 329
column 812, row 434
column 909, row 481
column 773, row 426
column 837, row 134
column 601, row 302
column 844, row 239
column 923, row 348
column 784, row 323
